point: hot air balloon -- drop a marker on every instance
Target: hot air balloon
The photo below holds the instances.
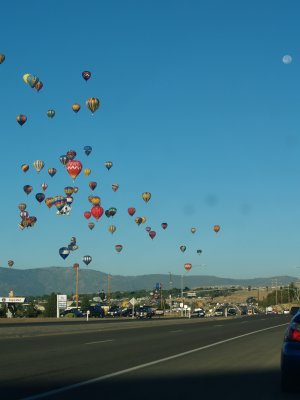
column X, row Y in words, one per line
column 52, row 172
column 63, row 159
column 182, row 248
column 148, row 229
column 50, row 113
column 22, row 206
column 108, row 164
column 2, row 58
column 95, row 200
column 193, row 230
column 118, row 248
column 112, row 211
column 21, row 119
column 24, row 214
column 131, row 211
column 93, row 104
column 199, row 251
column 91, row 225
column 71, row 154
column 143, row 220
column 64, row 252
column 49, row 202
column 87, row 150
column 146, row 196
column 25, row 76
column 138, row 220
column 75, row 189
column 27, row 189
column 76, row 107
column 97, row 212
column 74, row 167
column 87, row 214
column 217, row 228
column 107, row 213
column 92, row 185
column 152, row 234
column 40, row 197
column 115, row 187
column 44, row 186
column 31, row 80
column 86, row 259
column 112, row 228
column 25, row 167
column 87, row 171
column 10, row 263
column 86, row 75
column 59, row 202
column 164, row 225
column 38, row 86
column 69, row 200
column 38, row 165
column 187, row 266
column 69, row 190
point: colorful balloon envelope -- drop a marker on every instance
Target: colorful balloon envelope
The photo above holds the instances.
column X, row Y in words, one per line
column 87, row 150
column 87, row 214
column 95, row 200
column 108, row 164
column 93, row 104
column 71, row 154
column 138, row 220
column 131, row 211
column 97, row 212
column 74, row 168
column 21, row 119
column 112, row 228
column 86, row 75
column 10, row 263
column 76, row 107
column 115, row 187
column 32, row 80
column 24, row 214
column 187, row 266
column 112, row 211
column 69, row 190
column 152, row 234
column 25, row 76
column 2, row 58
column 40, row 197
column 25, row 167
column 146, row 196
column 38, row 86
column 193, row 230
column 164, row 225
column 59, row 202
column 49, row 202
column 118, row 248
column 52, row 172
column 91, row 225
column 86, row 259
column 50, row 113
column 148, row 229
column 143, row 220
column 217, row 228
column 64, row 252
column 87, row 171
column 63, row 159
column 183, row 248
column 44, row 186
column 27, row 189
column 92, row 185
column 38, row 165
column 22, row 206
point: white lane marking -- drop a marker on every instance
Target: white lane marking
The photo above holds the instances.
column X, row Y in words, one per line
column 178, row 330
column 149, row 364
column 101, row 341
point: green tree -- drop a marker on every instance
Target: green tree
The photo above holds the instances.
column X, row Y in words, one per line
column 85, row 303
column 51, row 306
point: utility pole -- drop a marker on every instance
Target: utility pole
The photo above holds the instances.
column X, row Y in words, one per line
column 76, row 267
column 108, row 288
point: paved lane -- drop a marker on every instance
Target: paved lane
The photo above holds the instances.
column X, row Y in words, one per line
column 216, row 358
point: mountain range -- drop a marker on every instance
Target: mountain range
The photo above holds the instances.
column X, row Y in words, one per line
column 40, row 281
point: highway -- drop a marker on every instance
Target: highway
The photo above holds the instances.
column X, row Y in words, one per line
column 233, row 358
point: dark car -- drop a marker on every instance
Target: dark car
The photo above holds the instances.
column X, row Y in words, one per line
column 126, row 312
column 290, row 355
column 231, row 312
column 74, row 312
column 96, row 311
column 144, row 312
column 114, row 311
column 198, row 314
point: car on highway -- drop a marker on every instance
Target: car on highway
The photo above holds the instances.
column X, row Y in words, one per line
column 144, row 312
column 72, row 313
column 114, row 311
column 198, row 313
column 290, row 355
column 219, row 312
column 96, row 311
column 126, row 312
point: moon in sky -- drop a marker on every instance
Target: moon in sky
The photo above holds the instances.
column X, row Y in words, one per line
column 287, row 59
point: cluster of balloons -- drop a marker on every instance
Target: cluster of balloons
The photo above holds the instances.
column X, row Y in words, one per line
column 33, row 81
column 26, row 220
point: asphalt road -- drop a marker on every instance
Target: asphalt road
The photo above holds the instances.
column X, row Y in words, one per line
column 213, row 358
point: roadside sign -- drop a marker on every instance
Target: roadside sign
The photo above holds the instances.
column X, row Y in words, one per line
column 132, row 301
column 61, row 303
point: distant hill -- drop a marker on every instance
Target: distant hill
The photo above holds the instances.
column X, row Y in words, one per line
column 39, row 281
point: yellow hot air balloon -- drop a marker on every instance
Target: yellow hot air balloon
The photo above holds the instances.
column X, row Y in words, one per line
column 143, row 220
column 112, row 228
column 25, row 78
column 87, row 171
column 95, row 200
column 146, row 196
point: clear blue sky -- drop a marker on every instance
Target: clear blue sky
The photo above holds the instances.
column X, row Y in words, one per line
column 197, row 108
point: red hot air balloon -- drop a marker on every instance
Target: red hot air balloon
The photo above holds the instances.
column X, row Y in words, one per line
column 97, row 212
column 118, row 247
column 152, row 234
column 21, row 119
column 44, row 186
column 87, row 214
column 27, row 189
column 188, row 266
column 131, row 211
column 93, row 185
column 86, row 75
column 71, row 154
column 217, row 228
column 164, row 225
column 74, row 168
